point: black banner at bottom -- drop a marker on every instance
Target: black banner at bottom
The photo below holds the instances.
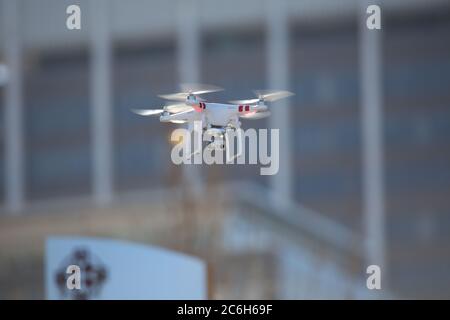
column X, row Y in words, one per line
column 225, row 309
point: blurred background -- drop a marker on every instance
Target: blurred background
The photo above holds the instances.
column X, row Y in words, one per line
column 364, row 152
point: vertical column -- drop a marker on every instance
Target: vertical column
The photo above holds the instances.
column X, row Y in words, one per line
column 370, row 54
column 278, row 78
column 188, row 55
column 14, row 140
column 100, row 93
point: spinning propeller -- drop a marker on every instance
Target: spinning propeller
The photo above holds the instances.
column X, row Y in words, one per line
column 189, row 90
column 171, row 108
column 265, row 95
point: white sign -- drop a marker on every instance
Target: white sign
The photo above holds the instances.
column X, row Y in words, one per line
column 111, row 269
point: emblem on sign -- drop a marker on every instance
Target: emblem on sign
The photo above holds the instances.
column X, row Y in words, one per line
column 93, row 275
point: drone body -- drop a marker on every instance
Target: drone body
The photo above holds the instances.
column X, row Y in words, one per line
column 215, row 114
column 216, row 118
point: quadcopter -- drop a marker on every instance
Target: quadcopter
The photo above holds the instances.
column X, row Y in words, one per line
column 217, row 118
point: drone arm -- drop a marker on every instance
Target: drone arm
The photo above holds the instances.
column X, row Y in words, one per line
column 256, row 115
column 148, row 112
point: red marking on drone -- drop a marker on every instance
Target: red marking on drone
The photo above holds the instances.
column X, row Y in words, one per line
column 200, row 107
column 244, row 108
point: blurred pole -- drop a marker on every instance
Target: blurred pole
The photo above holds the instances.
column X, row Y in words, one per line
column 370, row 53
column 14, row 140
column 101, row 114
column 3, row 74
column 278, row 78
column 188, row 54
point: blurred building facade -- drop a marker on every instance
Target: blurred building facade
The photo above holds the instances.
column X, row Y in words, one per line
column 143, row 58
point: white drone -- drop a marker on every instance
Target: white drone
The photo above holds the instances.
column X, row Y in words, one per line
column 216, row 118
